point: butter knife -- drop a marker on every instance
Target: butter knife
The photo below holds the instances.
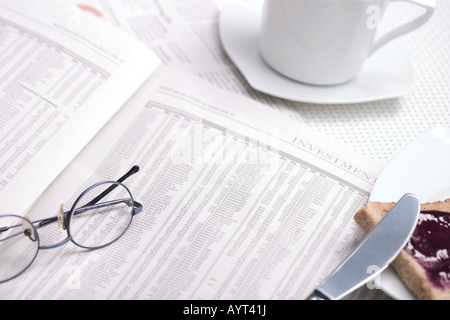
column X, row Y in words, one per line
column 380, row 247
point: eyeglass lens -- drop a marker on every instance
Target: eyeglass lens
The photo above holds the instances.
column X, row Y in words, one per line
column 97, row 223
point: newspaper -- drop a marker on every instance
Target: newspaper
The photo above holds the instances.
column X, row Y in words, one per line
column 240, row 200
column 62, row 75
column 235, row 206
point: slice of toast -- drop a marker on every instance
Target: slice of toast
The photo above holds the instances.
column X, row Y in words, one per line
column 408, row 268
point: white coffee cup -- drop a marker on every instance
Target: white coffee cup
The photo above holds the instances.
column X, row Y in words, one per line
column 325, row 42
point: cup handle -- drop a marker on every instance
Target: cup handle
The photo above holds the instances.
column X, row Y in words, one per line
column 428, row 5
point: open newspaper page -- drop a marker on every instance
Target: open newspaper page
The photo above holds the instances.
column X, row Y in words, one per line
column 63, row 74
column 240, row 202
column 184, row 34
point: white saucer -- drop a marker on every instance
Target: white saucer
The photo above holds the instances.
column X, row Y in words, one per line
column 420, row 168
column 387, row 74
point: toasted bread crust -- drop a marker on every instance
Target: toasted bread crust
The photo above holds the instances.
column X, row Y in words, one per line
column 409, row 270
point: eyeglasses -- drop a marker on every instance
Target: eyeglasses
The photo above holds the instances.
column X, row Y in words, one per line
column 99, row 217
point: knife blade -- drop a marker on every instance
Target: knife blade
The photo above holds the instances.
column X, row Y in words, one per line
column 380, row 247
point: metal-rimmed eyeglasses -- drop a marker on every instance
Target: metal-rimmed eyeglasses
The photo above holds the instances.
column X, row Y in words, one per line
column 98, row 218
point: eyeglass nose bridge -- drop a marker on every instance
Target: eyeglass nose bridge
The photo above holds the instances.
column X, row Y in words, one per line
column 61, row 218
column 56, row 245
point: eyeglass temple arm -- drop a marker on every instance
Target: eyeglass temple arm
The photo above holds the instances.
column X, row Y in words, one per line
column 137, row 205
column 132, row 171
column 136, row 210
column 90, row 205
